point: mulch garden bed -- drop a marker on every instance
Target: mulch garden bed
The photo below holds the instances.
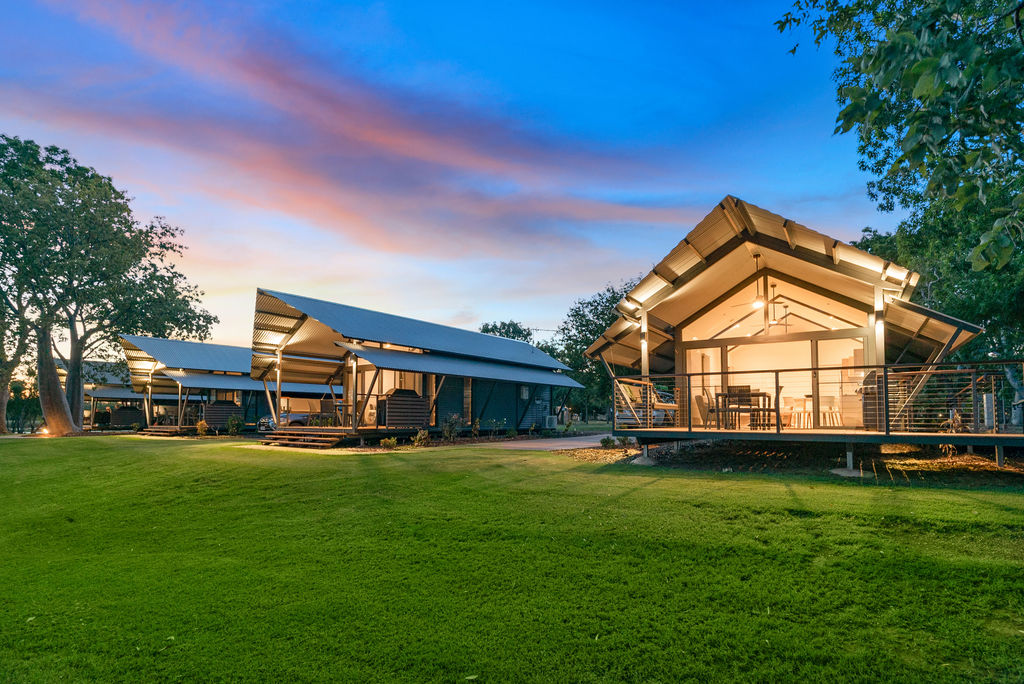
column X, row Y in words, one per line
column 892, row 464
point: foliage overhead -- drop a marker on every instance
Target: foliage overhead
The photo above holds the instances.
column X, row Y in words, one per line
column 585, row 321
column 934, row 90
column 513, row 330
column 934, row 241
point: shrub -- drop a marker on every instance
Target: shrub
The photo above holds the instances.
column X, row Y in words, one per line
column 421, row 438
column 389, row 443
column 475, row 430
column 202, row 429
column 493, row 425
column 450, row 426
column 136, row 427
column 234, row 425
column 511, row 434
column 547, row 433
column 625, row 441
column 607, row 442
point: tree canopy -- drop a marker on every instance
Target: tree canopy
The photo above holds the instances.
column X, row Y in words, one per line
column 934, row 90
column 513, row 330
column 89, row 268
column 586, row 319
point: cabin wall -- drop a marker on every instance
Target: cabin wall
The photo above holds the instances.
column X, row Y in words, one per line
column 449, row 399
column 500, row 411
column 539, row 407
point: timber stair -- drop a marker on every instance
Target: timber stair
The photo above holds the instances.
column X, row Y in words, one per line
column 306, row 437
column 167, row 430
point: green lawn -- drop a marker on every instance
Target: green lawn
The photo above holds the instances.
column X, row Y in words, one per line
column 134, row 559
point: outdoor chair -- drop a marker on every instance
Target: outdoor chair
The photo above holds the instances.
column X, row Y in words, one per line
column 830, row 414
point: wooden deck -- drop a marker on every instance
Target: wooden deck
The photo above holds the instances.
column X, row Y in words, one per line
column 672, row 434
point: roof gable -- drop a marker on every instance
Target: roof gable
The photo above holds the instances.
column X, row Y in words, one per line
column 186, row 355
column 363, row 324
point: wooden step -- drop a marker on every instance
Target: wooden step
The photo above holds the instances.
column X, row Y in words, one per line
column 328, row 435
column 306, row 437
column 303, row 445
column 308, row 440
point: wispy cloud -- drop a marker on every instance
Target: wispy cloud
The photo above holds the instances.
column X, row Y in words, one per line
column 389, row 169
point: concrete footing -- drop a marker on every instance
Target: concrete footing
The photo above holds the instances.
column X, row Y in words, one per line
column 851, row 472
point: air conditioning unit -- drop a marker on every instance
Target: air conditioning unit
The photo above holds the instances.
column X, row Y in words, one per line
column 550, row 422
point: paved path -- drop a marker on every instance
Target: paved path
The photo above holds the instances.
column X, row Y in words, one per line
column 552, row 444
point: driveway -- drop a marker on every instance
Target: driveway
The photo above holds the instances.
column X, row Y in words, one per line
column 551, row 444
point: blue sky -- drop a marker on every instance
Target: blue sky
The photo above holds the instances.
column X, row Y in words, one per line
column 460, row 162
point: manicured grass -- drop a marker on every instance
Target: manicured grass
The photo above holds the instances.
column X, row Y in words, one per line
column 134, row 559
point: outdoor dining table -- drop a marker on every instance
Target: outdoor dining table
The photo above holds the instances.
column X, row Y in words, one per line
column 733, row 404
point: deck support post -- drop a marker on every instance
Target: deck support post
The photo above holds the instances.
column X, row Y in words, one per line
column 433, row 402
column 683, row 401
column 179, row 405
column 815, row 394
column 778, row 409
column 278, row 373
column 1000, row 455
column 366, row 399
column 270, row 402
column 355, row 393
column 565, row 400
column 645, row 347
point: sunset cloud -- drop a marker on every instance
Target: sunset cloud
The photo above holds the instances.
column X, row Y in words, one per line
column 300, row 163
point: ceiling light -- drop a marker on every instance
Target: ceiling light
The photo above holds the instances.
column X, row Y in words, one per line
column 758, row 303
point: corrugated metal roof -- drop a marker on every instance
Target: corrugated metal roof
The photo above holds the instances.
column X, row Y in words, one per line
column 239, row 382
column 98, row 372
column 192, row 355
column 123, row 394
column 363, row 324
column 442, row 364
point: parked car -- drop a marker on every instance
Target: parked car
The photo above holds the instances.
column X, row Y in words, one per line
column 267, row 424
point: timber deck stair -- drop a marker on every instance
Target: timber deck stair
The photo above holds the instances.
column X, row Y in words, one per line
column 306, row 437
column 168, row 430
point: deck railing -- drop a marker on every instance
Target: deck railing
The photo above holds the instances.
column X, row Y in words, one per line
column 982, row 397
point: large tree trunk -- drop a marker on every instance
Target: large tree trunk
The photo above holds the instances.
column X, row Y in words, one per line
column 51, row 396
column 73, row 383
column 5, row 394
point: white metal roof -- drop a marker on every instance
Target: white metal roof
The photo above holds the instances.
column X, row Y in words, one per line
column 719, row 254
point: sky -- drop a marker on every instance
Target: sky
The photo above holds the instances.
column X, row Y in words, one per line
column 451, row 161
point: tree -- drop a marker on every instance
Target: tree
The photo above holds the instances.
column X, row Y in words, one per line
column 935, row 92
column 935, row 241
column 24, row 414
column 91, row 270
column 584, row 322
column 18, row 202
column 513, row 330
column 15, row 335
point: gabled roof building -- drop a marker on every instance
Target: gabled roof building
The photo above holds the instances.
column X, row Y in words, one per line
column 756, row 324
column 401, row 373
